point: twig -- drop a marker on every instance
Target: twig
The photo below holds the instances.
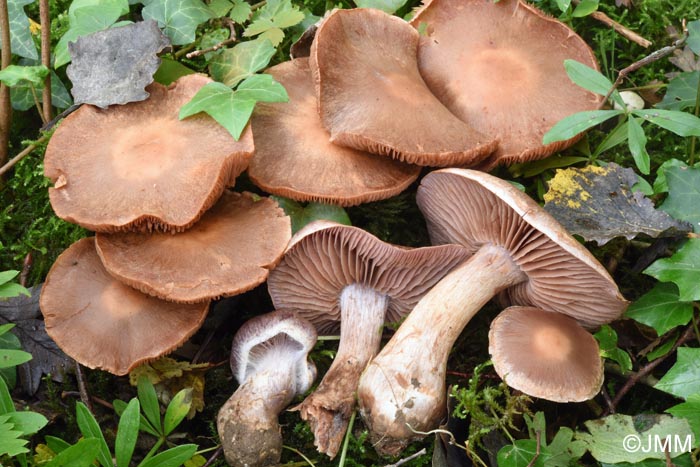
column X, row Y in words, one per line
column 307, row 461
column 45, row 22
column 183, row 50
column 5, row 105
column 622, row 30
column 25, row 152
column 84, row 396
column 537, row 450
column 207, row 340
column 26, row 268
column 231, row 39
column 607, row 399
column 213, row 457
column 415, row 455
column 58, row 117
column 100, row 401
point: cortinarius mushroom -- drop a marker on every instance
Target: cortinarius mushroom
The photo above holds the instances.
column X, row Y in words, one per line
column 518, row 250
column 105, row 324
column 336, row 275
column 138, row 166
column 269, row 360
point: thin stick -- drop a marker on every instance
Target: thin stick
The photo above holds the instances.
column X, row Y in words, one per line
column 415, row 455
column 45, row 22
column 537, row 451
column 307, row 461
column 25, row 152
column 622, row 30
column 5, row 105
column 213, row 457
column 102, row 402
column 691, row 159
column 26, row 269
column 82, row 387
column 231, row 39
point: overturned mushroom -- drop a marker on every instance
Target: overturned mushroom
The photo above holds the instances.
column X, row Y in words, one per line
column 518, row 250
column 269, row 360
column 336, row 275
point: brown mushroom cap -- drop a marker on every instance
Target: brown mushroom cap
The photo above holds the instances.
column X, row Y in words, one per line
column 295, row 158
column 499, row 66
column 472, row 208
column 139, row 166
column 229, row 251
column 546, row 355
column 324, row 258
column 105, row 324
column 371, row 96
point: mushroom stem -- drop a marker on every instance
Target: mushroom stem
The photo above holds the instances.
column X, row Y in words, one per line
column 402, row 391
column 329, row 408
column 248, row 420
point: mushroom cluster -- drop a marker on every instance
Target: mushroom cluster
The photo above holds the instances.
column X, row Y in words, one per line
column 169, row 236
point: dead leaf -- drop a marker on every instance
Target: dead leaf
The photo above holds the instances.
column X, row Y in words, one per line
column 115, row 65
column 623, row 3
column 47, row 357
column 684, row 59
column 598, row 204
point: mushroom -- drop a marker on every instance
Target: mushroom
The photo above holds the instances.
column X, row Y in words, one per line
column 294, row 157
column 336, row 275
column 105, row 324
column 371, row 96
column 269, row 360
column 228, row 251
column 509, row 81
column 138, row 166
column 519, row 251
column 546, row 355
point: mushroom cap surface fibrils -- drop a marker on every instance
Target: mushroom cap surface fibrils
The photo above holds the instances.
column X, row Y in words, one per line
column 295, row 158
column 228, row 251
column 323, row 258
column 472, row 208
column 105, row 324
column 371, row 96
column 499, row 67
column 138, row 166
column 546, row 355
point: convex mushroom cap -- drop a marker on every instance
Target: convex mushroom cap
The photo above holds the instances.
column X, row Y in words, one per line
column 509, row 81
column 336, row 275
column 371, row 96
column 295, row 158
column 105, row 324
column 138, row 166
column 228, row 251
column 546, row 355
column 269, row 360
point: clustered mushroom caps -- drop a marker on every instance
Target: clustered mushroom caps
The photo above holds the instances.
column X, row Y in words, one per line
column 269, row 360
column 340, row 276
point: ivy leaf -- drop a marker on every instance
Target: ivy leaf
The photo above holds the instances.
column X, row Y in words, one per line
column 661, row 309
column 301, row 215
column 683, row 379
column 637, row 142
column 387, row 6
column 20, row 35
column 240, row 12
column 220, row 8
column 690, row 410
column 694, row 36
column 683, row 268
column 683, row 201
column 591, row 80
column 219, row 101
column 272, row 18
column 16, row 74
column 607, row 338
column 239, row 62
column 680, row 123
column 681, row 92
column 179, row 18
column 262, row 88
column 574, row 124
column 212, row 38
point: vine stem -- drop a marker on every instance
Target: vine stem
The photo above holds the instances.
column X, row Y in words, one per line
column 25, row 152
column 5, row 105
column 45, row 22
column 691, row 159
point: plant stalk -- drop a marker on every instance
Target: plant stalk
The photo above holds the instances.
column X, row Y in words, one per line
column 5, row 105
column 691, row 159
column 45, row 22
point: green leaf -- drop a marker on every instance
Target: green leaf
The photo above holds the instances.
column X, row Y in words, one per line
column 6, row 404
column 683, row 379
column 272, row 18
column 387, row 6
column 607, row 338
column 313, row 211
column 585, row 8
column 81, row 454
column 220, row 102
column 240, row 12
column 574, row 124
column 681, row 92
column 660, row 184
column 662, row 349
column 683, row 268
column 10, row 442
column 694, row 36
column 661, row 309
column 563, row 5
column 637, row 141
column 170, row 70
column 56, row 444
column 683, row 201
column 149, row 403
column 237, row 63
column 15, row 74
column 590, row 79
column 21, row 40
column 28, row 422
column 212, row 38
column 680, row 123
column 690, row 410
column 262, row 88
column 612, row 139
column 173, row 457
column 12, row 290
column 10, row 358
column 23, row 98
column 7, row 276
column 127, row 433
column 177, row 410
column 178, row 18
column 91, row 429
column 220, row 8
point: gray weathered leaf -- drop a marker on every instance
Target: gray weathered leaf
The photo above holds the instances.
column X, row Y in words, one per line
column 115, row 65
column 598, row 204
column 47, row 357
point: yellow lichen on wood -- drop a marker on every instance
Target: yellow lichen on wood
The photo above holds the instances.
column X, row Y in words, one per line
column 564, row 188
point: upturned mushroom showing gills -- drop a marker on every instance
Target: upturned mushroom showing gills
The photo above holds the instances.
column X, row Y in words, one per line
column 519, row 251
column 507, row 82
column 269, row 360
column 546, row 355
column 340, row 276
column 371, row 96
column 138, row 166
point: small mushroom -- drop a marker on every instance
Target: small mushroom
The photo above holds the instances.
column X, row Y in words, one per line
column 546, row 355
column 371, row 96
column 269, row 360
column 519, row 251
column 335, row 275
